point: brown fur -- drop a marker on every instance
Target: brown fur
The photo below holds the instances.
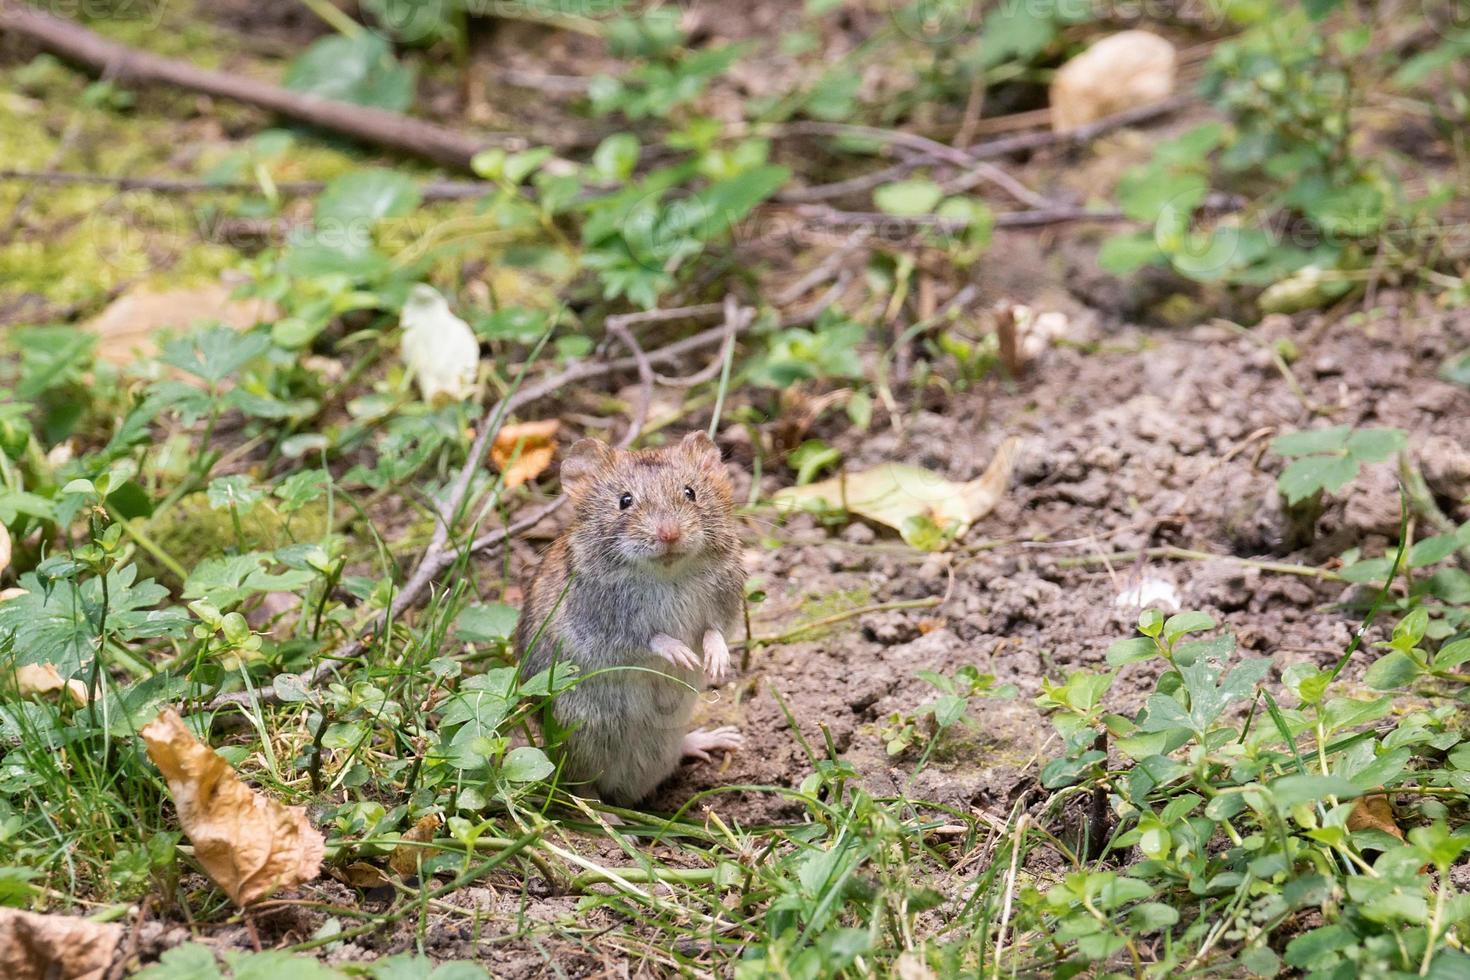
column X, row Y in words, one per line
column 610, row 583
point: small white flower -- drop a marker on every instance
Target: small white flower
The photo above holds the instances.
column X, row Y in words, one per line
column 438, row 347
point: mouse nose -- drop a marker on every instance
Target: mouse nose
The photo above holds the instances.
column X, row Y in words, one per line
column 668, row 532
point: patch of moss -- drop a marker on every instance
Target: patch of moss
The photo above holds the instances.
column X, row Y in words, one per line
column 191, row 531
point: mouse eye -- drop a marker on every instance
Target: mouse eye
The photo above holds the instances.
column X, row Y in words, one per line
column 625, row 501
column 688, row 493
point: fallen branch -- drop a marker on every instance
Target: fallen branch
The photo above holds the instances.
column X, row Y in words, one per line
column 128, row 65
column 440, row 554
column 434, row 190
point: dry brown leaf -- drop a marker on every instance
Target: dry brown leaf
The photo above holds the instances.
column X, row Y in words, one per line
column 1121, row 71
column 125, row 330
column 4, row 547
column 55, row 947
column 406, row 857
column 896, row 493
column 538, row 447
column 360, row 874
column 248, row 844
column 32, row 679
column 1374, row 812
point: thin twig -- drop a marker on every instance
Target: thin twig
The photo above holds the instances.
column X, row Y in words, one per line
column 928, row 602
column 1189, row 554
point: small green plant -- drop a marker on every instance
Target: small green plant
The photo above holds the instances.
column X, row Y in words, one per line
column 948, row 711
column 1326, row 460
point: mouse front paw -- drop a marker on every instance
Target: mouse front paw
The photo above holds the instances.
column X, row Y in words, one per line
column 699, row 743
column 716, row 656
column 674, row 651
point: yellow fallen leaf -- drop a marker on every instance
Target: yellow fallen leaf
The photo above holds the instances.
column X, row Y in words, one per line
column 4, row 547
column 55, row 947
column 7, row 594
column 32, row 679
column 125, row 329
column 538, row 447
column 896, row 494
column 1121, row 71
column 248, row 844
column 1374, row 812
column 406, row 856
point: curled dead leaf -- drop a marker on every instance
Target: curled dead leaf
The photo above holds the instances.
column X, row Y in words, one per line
column 896, row 494
column 1121, row 71
column 1374, row 812
column 248, row 844
column 55, row 947
column 537, row 442
column 406, row 856
column 34, row 679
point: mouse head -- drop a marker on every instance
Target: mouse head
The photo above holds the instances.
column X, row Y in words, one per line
column 654, row 508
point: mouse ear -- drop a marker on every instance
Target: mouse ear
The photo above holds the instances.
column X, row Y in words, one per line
column 581, row 462
column 699, row 447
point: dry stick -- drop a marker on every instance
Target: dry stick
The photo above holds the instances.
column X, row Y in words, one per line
column 979, row 171
column 439, row 556
column 984, row 151
column 1189, row 554
column 451, row 147
column 434, row 190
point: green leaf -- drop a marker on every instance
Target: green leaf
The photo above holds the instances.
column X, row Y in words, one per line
column 225, row 581
column 616, row 157
column 1015, row 31
column 1452, row 655
column 1432, row 550
column 1186, row 622
column 1290, row 791
column 1312, row 947
column 526, row 764
column 1375, row 445
column 1381, row 770
column 909, row 197
column 60, row 624
column 486, row 623
column 1152, row 916
column 215, row 353
column 1146, row 193
column 358, row 69
column 1131, row 650
column 1311, row 474
column 1392, row 671
column 1125, row 254
column 1064, row 772
column 1457, row 369
column 948, row 709
column 1312, row 441
column 191, row 961
column 227, row 492
column 367, row 196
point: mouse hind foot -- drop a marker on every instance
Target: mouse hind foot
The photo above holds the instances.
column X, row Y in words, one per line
column 699, row 743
